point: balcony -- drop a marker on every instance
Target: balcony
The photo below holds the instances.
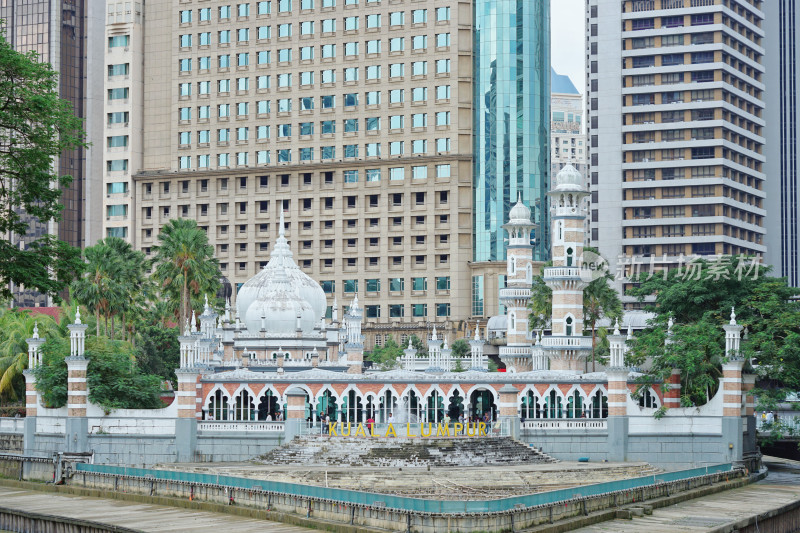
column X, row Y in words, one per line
column 562, row 272
column 550, row 424
column 573, row 343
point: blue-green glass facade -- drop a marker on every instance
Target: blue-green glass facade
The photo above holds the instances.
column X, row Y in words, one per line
column 512, row 120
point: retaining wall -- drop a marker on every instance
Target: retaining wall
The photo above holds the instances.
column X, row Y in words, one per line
column 377, row 515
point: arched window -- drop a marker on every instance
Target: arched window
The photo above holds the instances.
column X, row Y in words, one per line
column 570, row 254
column 512, row 322
column 575, row 405
column 244, row 408
column 531, row 408
column 568, row 323
column 599, row 405
column 555, row 407
column 648, row 399
column 512, row 266
column 528, row 273
column 218, row 406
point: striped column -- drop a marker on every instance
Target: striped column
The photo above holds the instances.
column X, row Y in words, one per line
column 31, row 400
column 748, row 384
column 187, row 392
column 509, row 403
column 77, row 390
column 672, row 398
column 732, row 388
column 617, row 391
column 296, row 405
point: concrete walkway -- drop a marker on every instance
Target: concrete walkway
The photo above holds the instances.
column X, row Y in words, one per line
column 781, row 487
column 143, row 517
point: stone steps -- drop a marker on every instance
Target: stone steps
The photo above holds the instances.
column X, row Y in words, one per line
column 347, row 451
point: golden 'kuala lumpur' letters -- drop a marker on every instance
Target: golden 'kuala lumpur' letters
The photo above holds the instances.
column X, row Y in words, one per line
column 429, row 429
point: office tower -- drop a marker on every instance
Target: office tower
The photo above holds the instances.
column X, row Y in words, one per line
column 353, row 117
column 62, row 33
column 781, row 131
column 675, row 94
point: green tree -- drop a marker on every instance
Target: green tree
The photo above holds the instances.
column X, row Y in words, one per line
column 386, row 356
column 15, row 328
column 461, row 348
column 102, row 286
column 700, row 299
column 541, row 302
column 185, row 266
column 135, row 283
column 113, row 378
column 158, row 350
column 419, row 345
column 36, row 126
column 600, row 300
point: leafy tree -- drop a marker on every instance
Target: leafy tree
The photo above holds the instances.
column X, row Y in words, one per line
column 461, row 348
column 15, row 328
column 185, row 266
column 158, row 350
column 113, row 378
column 386, row 356
column 36, row 126
column 700, row 300
column 134, row 279
column 419, row 345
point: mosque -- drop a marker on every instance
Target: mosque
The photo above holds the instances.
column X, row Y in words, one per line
column 239, row 366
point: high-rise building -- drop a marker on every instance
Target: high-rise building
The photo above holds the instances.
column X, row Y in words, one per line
column 782, row 44
column 567, row 136
column 63, row 33
column 675, row 106
column 352, row 117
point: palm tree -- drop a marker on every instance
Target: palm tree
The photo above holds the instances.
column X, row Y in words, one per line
column 541, row 302
column 17, row 327
column 133, row 278
column 185, row 264
column 101, row 288
column 600, row 300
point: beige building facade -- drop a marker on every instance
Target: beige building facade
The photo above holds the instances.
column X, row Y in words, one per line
column 354, row 118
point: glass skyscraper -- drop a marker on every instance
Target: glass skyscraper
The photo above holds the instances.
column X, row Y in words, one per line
column 512, row 119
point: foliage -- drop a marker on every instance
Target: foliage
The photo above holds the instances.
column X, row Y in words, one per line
column 16, row 327
column 114, row 281
column 461, row 348
column 113, row 378
column 492, row 366
column 36, row 126
column 701, row 304
column 419, row 345
column 158, row 350
column 459, row 366
column 541, row 302
column 386, row 356
column 185, row 266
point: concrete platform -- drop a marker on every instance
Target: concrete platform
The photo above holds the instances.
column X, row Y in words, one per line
column 138, row 516
column 484, row 482
column 712, row 513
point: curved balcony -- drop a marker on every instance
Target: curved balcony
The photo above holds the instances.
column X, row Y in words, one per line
column 561, row 272
column 515, row 293
column 570, row 343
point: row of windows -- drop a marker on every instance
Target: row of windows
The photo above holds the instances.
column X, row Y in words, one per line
column 442, row 283
column 285, row 155
column 307, row 53
column 395, row 18
column 399, row 310
column 305, row 103
column 285, row 180
column 328, row 244
column 264, row 82
column 351, row 263
column 700, row 19
column 350, row 125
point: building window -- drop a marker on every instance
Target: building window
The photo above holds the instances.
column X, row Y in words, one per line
column 396, row 311
column 442, row 310
column 477, row 296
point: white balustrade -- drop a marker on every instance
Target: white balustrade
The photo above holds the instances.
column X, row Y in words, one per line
column 566, row 424
column 12, row 425
column 230, row 426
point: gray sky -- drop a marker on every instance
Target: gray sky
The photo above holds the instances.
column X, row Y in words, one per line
column 567, row 31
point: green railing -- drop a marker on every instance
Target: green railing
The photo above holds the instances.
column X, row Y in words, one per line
column 401, row 502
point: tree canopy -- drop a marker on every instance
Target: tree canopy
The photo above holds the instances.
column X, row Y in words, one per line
column 113, row 377
column 36, row 126
column 699, row 297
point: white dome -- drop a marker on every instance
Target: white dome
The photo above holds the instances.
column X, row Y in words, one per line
column 256, row 288
column 282, row 307
column 569, row 179
column 520, row 213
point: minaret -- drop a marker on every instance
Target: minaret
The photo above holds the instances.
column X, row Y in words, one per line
column 354, row 341
column 516, row 354
column 567, row 348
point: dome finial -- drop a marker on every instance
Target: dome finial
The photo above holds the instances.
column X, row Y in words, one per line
column 733, row 317
column 477, row 329
column 616, row 327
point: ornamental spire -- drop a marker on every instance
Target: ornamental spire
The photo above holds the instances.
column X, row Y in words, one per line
column 733, row 317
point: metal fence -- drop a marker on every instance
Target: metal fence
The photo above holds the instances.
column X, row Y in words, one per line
column 403, row 503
